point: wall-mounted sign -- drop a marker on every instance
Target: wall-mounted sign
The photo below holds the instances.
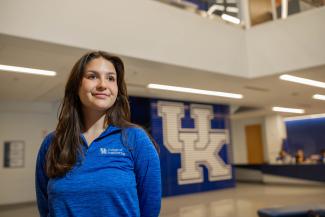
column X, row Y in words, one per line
column 195, row 146
column 194, row 142
column 14, row 152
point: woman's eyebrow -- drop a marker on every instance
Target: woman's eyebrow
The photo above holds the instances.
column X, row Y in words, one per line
column 96, row 72
column 111, row 73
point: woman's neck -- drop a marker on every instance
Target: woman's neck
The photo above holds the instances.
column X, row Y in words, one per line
column 93, row 122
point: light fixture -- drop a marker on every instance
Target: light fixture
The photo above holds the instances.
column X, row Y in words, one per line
column 288, row 110
column 232, row 9
column 319, row 96
column 27, row 70
column 214, row 8
column 231, row 19
column 302, row 80
column 195, row 91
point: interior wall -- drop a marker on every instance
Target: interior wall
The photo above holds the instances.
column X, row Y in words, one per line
column 144, row 29
column 307, row 134
column 28, row 122
column 295, row 44
column 159, row 32
column 275, row 133
column 238, row 137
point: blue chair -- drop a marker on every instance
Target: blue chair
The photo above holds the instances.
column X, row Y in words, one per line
column 293, row 211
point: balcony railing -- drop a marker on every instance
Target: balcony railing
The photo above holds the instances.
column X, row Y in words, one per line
column 246, row 13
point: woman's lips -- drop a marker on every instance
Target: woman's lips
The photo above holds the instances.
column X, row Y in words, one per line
column 100, row 95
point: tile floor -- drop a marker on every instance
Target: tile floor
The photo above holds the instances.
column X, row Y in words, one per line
column 242, row 201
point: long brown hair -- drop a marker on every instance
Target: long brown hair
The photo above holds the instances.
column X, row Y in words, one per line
column 66, row 145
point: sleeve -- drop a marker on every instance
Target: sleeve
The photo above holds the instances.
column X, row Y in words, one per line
column 41, row 180
column 148, row 176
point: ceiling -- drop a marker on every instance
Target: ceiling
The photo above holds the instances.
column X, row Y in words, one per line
column 260, row 93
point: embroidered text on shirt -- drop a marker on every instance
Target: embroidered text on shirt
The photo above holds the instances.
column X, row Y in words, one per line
column 112, row 151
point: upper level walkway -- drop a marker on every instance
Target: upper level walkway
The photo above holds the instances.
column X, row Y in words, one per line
column 154, row 31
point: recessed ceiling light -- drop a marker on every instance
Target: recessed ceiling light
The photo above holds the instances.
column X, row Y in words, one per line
column 319, row 96
column 195, row 91
column 288, row 110
column 302, row 81
column 27, row 70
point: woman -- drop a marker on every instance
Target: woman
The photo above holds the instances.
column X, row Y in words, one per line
column 300, row 156
column 97, row 163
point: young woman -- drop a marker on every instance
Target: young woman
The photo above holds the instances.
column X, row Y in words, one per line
column 96, row 163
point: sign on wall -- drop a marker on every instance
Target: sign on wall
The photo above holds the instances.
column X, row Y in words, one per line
column 14, row 152
column 194, row 140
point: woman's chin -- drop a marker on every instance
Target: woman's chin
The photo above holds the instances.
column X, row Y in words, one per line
column 98, row 108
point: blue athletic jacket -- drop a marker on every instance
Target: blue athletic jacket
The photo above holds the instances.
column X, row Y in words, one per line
column 111, row 180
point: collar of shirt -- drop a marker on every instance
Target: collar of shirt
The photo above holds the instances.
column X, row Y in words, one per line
column 110, row 129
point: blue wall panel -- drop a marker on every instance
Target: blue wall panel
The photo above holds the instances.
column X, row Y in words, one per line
column 306, row 134
column 144, row 111
column 171, row 162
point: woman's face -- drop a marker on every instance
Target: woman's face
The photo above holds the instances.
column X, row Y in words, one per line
column 300, row 153
column 98, row 89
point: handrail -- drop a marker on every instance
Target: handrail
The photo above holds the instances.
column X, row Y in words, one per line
column 254, row 11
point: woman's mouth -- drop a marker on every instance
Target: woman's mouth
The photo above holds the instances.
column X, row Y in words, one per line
column 100, row 95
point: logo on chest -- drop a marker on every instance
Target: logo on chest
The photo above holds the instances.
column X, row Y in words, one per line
column 112, row 151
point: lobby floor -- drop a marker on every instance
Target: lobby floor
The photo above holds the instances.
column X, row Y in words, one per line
column 242, row 201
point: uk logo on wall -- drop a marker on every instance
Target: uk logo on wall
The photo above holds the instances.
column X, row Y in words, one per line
column 194, row 142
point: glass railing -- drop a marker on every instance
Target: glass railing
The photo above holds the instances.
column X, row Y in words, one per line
column 246, row 13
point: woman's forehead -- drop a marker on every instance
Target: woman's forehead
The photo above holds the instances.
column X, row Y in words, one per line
column 100, row 65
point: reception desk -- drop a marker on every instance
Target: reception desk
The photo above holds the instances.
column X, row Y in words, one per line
column 309, row 174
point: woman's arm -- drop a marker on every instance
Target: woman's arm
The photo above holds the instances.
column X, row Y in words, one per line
column 41, row 180
column 148, row 176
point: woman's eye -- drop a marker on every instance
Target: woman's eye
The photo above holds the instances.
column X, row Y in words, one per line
column 111, row 78
column 91, row 77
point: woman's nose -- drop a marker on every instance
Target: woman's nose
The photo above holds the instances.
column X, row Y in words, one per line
column 102, row 83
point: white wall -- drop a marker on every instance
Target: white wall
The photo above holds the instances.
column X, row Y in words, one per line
column 151, row 30
column 275, row 132
column 27, row 122
column 238, row 138
column 144, row 29
column 287, row 45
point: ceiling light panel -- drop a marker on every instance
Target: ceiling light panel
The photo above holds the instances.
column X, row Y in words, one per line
column 319, row 96
column 288, row 110
column 301, row 80
column 195, row 91
column 231, row 19
column 27, row 70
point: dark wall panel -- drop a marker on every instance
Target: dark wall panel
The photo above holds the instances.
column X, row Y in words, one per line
column 308, row 135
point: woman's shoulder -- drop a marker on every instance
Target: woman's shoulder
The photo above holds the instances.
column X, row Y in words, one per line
column 141, row 142
column 47, row 141
column 136, row 131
